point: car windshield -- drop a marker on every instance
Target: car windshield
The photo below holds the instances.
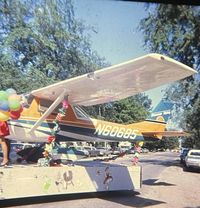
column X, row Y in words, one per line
column 195, row 153
column 87, row 148
column 16, row 146
column 79, row 148
column 125, row 147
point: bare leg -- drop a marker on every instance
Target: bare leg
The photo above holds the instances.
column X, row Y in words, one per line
column 8, row 146
column 5, row 150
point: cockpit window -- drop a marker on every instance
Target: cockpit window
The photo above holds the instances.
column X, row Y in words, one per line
column 26, row 100
column 80, row 113
column 44, row 105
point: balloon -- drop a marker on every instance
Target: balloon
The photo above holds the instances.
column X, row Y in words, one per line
column 11, row 91
column 21, row 109
column 14, row 97
column 14, row 105
column 14, row 115
column 3, row 95
column 9, row 100
column 140, row 143
column 4, row 116
column 4, row 105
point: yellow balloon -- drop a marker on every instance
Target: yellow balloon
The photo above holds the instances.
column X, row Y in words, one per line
column 4, row 115
column 14, row 97
column 140, row 143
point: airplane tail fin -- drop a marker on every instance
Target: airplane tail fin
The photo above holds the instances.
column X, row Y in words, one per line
column 155, row 127
column 160, row 116
column 149, row 127
column 163, row 109
column 153, row 130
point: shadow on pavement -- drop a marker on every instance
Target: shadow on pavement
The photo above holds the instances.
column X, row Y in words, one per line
column 153, row 182
column 132, row 199
column 192, row 207
column 167, row 163
column 193, row 170
column 127, row 198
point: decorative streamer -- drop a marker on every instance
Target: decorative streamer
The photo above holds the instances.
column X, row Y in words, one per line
column 50, row 146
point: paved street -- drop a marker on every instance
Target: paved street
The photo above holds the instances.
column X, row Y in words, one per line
column 154, row 163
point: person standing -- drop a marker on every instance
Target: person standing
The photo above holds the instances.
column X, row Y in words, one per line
column 137, row 151
column 5, row 143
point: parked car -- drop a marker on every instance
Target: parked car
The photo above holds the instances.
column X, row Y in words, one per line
column 93, row 152
column 81, row 149
column 70, row 153
column 192, row 159
column 144, row 150
column 116, row 151
column 125, row 148
column 183, row 155
column 15, row 148
column 20, row 146
column 131, row 151
column 63, row 154
column 103, row 151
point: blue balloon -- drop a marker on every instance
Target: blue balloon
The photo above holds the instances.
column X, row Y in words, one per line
column 4, row 105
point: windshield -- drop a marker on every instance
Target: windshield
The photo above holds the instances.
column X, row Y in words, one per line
column 195, row 153
column 80, row 113
column 16, row 147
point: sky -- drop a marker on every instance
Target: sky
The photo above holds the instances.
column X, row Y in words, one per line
column 115, row 35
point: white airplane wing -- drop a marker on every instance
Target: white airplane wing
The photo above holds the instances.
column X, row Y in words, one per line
column 118, row 81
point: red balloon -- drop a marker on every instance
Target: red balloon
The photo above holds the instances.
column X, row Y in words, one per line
column 15, row 114
column 21, row 109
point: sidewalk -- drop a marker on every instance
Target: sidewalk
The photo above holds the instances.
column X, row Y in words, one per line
column 175, row 188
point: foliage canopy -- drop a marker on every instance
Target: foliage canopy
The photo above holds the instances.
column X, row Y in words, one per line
column 174, row 30
column 42, row 42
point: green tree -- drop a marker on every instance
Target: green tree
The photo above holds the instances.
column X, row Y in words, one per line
column 192, row 123
column 188, row 143
column 43, row 42
column 129, row 110
column 163, row 144
column 174, row 31
column 168, row 143
column 125, row 111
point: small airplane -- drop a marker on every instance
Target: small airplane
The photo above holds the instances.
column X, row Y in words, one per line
column 101, row 86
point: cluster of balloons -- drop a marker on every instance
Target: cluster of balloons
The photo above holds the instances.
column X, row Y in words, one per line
column 10, row 106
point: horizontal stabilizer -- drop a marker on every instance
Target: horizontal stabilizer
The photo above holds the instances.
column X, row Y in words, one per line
column 165, row 134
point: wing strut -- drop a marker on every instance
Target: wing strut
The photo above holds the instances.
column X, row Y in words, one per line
column 49, row 111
